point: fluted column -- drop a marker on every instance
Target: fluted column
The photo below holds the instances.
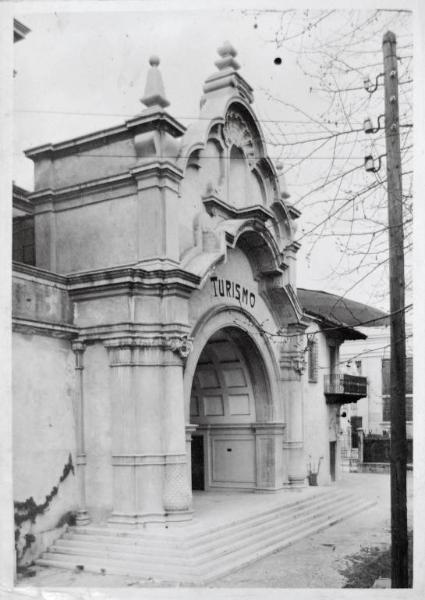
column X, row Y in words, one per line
column 81, row 459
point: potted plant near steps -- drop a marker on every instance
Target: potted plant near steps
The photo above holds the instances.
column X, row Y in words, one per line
column 313, row 472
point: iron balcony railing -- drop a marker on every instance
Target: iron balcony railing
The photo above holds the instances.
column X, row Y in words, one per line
column 341, row 387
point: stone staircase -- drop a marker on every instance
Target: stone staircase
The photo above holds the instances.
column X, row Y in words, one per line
column 194, row 553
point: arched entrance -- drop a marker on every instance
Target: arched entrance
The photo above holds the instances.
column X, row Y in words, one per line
column 237, row 444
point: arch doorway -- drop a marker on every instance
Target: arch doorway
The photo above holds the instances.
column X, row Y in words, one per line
column 229, row 396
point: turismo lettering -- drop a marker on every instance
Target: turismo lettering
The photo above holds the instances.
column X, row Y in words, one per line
column 231, row 289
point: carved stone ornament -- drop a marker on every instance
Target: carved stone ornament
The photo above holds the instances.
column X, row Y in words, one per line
column 182, row 345
column 299, row 364
column 237, row 132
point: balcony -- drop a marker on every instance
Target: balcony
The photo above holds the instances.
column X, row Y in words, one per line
column 341, row 388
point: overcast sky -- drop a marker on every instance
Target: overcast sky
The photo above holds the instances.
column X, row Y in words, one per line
column 80, row 72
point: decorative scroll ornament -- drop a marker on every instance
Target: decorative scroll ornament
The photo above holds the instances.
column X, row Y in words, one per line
column 237, row 133
column 182, row 345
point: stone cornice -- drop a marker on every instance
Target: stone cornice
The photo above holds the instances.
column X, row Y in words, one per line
column 158, row 168
column 39, row 274
column 20, row 200
column 217, row 207
column 30, row 327
column 114, row 334
column 170, row 281
column 50, row 195
column 155, row 119
column 294, row 246
column 293, row 212
column 158, row 119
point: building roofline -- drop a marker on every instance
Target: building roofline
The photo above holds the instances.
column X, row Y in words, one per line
column 150, row 120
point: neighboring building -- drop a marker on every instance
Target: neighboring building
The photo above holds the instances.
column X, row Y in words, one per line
column 371, row 358
column 163, row 341
column 366, row 357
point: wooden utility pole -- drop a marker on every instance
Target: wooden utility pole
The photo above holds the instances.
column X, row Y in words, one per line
column 399, row 542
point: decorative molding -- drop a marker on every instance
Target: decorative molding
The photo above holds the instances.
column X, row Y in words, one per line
column 56, row 330
column 78, row 349
column 230, row 80
column 293, row 445
column 158, row 170
column 51, row 196
column 145, row 460
column 190, row 430
column 137, row 460
column 299, row 364
column 182, row 345
column 125, row 330
column 217, row 207
column 237, row 132
column 81, row 459
column 125, row 351
column 35, row 273
column 144, row 122
column 268, row 429
column 91, row 283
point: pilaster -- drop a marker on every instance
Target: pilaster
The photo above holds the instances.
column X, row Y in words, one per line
column 190, row 430
column 269, row 459
column 158, row 184
column 81, row 460
column 148, row 434
column 292, row 366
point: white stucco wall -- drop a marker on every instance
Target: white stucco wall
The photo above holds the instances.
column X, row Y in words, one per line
column 321, row 422
column 43, row 430
column 97, row 425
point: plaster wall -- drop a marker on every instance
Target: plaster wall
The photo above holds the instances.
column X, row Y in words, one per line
column 38, row 299
column 96, row 236
column 104, row 160
column 97, row 425
column 320, row 419
column 43, row 387
column 102, row 311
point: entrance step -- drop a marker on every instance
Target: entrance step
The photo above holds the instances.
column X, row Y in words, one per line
column 198, row 553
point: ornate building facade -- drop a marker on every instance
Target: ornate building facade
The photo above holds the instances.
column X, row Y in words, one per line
column 164, row 344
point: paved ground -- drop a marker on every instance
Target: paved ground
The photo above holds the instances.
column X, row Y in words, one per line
column 311, row 563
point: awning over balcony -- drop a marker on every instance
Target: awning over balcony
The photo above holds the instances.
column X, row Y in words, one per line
column 341, row 388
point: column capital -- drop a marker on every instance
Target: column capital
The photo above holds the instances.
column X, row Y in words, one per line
column 140, row 350
column 190, row 430
column 78, row 346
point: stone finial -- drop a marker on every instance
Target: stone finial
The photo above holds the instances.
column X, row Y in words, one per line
column 227, row 60
column 154, row 91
